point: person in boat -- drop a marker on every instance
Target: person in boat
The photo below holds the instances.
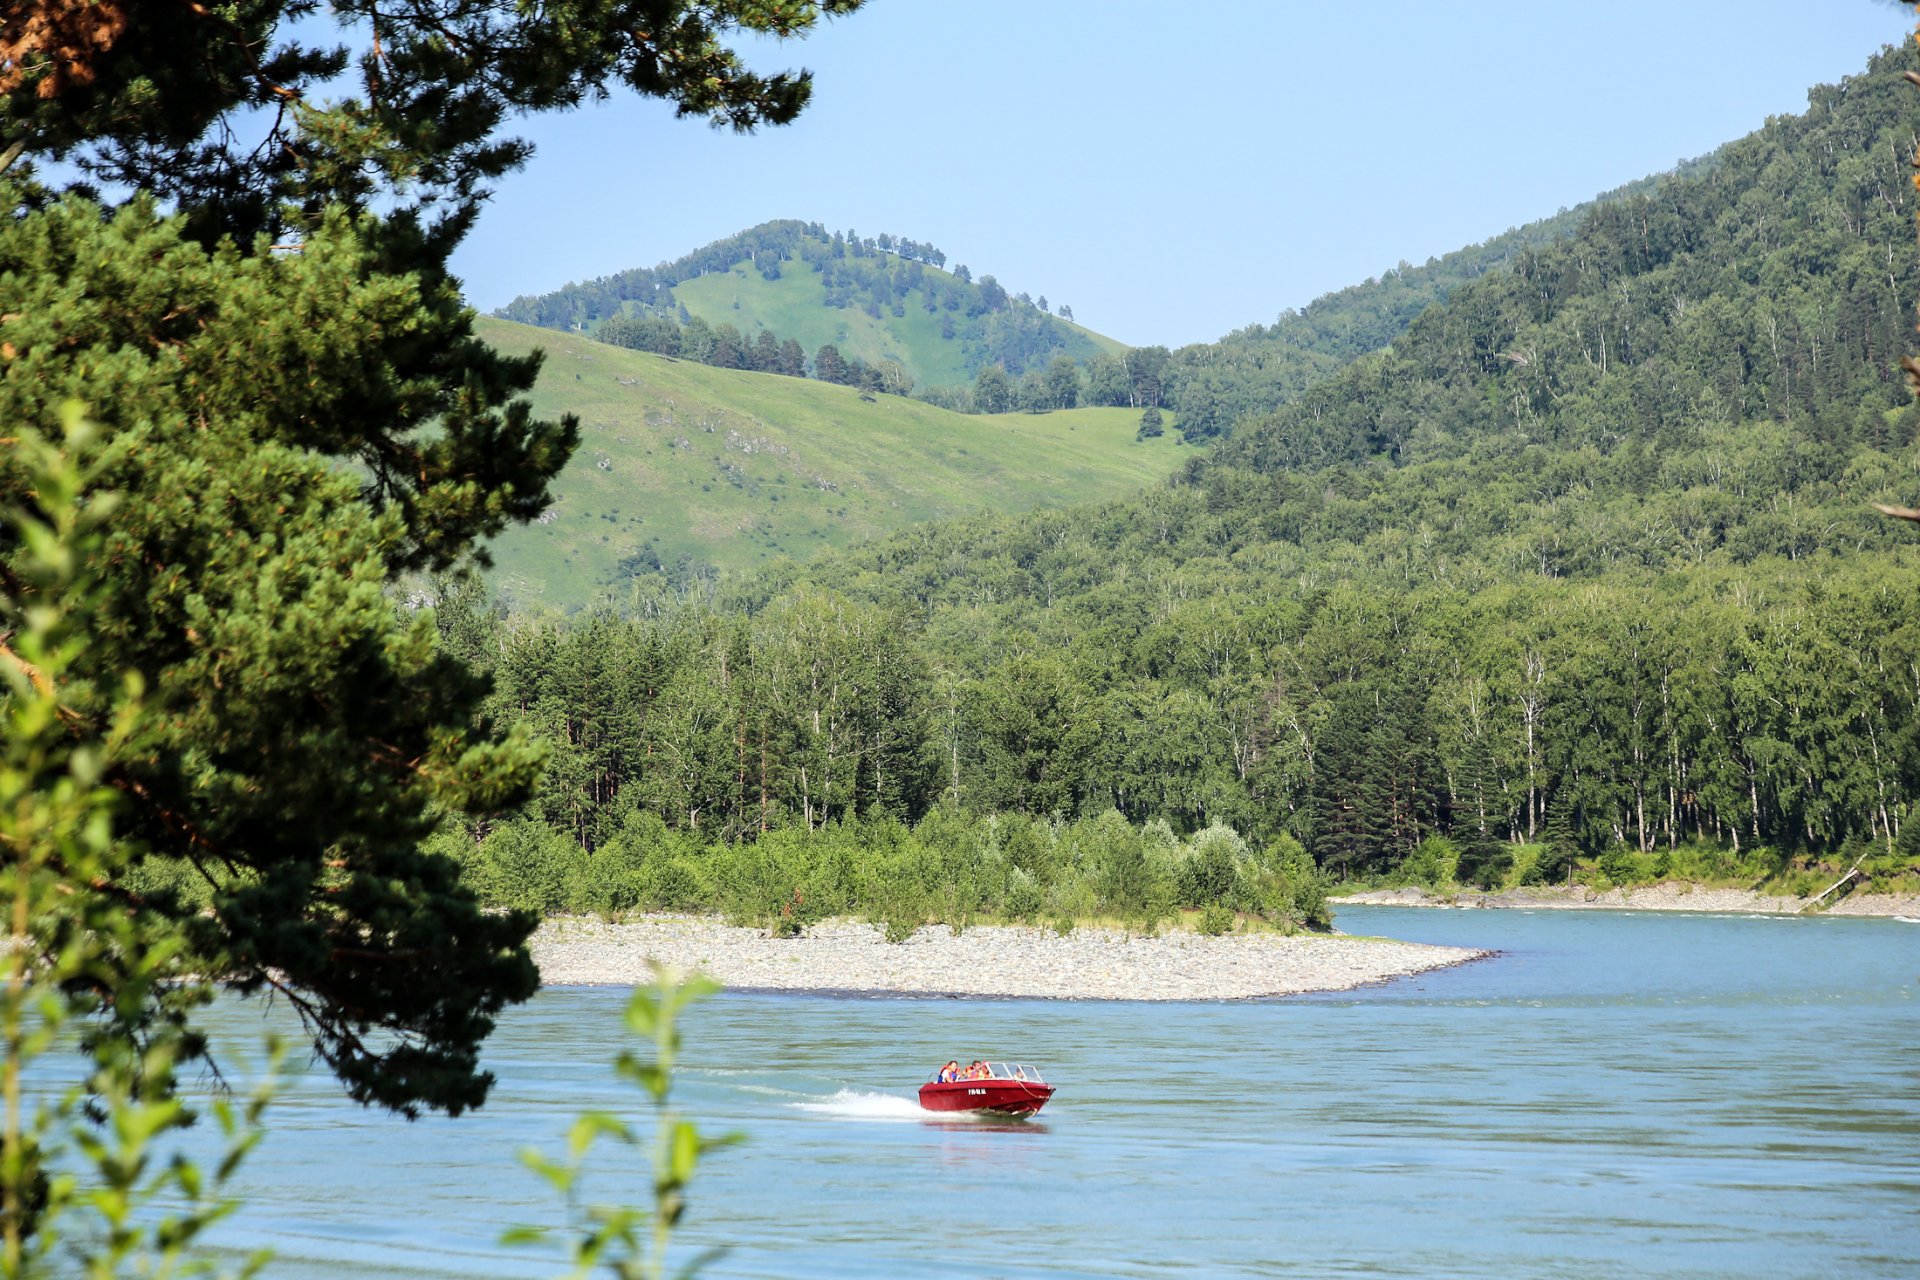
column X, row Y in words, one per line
column 950, row 1072
column 978, row 1071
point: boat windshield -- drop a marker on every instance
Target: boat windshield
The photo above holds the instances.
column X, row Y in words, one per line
column 1014, row 1071
column 1020, row 1071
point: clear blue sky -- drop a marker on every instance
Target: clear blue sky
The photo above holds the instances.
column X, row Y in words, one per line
column 1177, row 171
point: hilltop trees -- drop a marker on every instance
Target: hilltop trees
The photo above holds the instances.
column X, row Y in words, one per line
column 1670, row 314
column 881, row 276
column 264, row 361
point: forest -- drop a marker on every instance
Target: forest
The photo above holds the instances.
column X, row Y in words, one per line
column 1580, row 571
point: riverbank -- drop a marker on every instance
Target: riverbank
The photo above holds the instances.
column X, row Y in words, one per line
column 1658, row 897
column 987, row 960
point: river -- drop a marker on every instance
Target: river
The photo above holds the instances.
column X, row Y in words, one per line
column 1655, row 1095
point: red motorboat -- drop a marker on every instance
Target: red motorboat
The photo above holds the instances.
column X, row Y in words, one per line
column 1008, row 1089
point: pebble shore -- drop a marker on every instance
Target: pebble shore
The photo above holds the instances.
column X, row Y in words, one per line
column 1658, row 897
column 986, row 960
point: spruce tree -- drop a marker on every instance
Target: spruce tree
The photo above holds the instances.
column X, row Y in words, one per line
column 294, row 405
column 1484, row 856
column 1560, row 843
column 1352, row 795
column 1907, row 843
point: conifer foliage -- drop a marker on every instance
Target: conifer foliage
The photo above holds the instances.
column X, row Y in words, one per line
column 295, row 410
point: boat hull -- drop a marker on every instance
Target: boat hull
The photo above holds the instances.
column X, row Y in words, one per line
column 1001, row 1097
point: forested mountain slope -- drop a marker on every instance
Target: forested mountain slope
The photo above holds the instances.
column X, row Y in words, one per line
column 1582, row 566
column 882, row 300
column 1776, row 287
column 684, row 468
column 1253, row 370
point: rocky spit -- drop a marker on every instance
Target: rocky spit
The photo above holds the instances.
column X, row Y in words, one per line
column 986, row 960
column 1672, row 896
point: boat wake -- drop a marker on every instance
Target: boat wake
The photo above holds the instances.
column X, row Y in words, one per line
column 864, row 1104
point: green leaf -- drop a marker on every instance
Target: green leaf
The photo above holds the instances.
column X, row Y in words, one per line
column 685, row 1153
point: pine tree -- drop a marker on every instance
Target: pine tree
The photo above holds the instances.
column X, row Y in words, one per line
column 292, row 431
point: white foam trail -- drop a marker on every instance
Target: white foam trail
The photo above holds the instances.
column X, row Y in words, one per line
column 864, row 1104
column 769, row 1091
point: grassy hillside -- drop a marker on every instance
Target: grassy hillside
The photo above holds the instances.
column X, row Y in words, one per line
column 794, row 306
column 682, row 463
column 874, row 298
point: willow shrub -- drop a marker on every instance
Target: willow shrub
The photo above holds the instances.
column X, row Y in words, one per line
column 953, row 868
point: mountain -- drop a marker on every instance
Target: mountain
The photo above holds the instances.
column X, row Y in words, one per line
column 886, row 306
column 1582, row 566
column 792, row 279
column 1213, row 385
column 684, row 467
column 876, row 299
column 1589, row 545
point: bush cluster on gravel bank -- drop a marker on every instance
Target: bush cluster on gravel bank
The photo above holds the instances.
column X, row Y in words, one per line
column 952, row 868
column 1442, row 865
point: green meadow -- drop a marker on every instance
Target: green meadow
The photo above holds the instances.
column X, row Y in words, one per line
column 792, row 307
column 680, row 463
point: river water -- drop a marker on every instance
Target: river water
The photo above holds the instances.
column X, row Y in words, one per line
column 1614, row 1094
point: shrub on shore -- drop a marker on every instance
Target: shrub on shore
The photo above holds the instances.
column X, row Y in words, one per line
column 954, row 868
column 1434, row 868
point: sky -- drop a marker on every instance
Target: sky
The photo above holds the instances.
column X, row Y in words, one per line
column 1174, row 172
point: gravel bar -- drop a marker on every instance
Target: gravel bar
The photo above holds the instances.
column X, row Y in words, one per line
column 1671, row 896
column 987, row 960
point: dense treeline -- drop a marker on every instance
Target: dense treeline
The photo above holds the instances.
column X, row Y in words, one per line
column 1361, row 705
column 1581, row 567
column 765, row 766
column 953, row 867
